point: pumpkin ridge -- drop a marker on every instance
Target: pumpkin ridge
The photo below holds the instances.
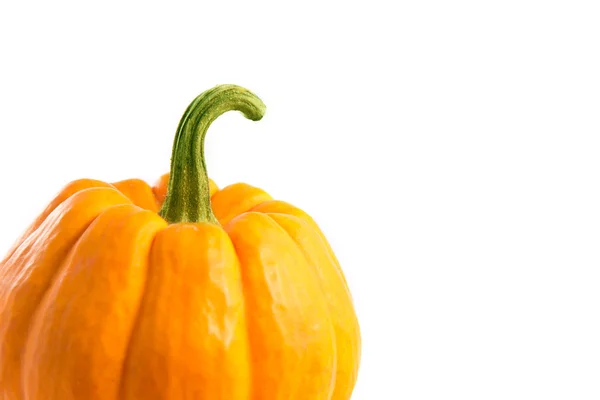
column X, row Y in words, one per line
column 285, row 208
column 42, row 323
column 139, row 192
column 62, row 196
column 42, row 298
column 250, row 224
column 247, row 316
column 136, row 321
column 338, row 299
column 66, row 211
column 169, row 273
column 240, row 192
column 310, row 264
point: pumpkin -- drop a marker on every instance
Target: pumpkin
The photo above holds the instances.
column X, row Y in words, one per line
column 176, row 291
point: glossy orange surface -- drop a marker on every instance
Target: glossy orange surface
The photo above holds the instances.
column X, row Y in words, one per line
column 101, row 299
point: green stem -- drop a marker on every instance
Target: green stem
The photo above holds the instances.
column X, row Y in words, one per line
column 188, row 194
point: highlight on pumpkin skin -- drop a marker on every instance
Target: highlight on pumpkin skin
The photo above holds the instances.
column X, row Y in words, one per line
column 193, row 279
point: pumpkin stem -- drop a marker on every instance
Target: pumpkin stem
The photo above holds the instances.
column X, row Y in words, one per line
column 188, row 193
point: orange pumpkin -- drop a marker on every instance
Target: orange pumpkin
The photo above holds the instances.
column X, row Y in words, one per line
column 126, row 291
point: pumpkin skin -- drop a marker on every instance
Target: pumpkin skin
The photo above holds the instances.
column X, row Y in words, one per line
column 103, row 298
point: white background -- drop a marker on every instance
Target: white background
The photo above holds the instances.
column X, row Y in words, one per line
column 449, row 150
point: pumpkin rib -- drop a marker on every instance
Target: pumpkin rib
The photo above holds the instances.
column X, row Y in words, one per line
column 208, row 281
column 77, row 336
column 343, row 318
column 63, row 195
column 135, row 323
column 247, row 315
column 310, row 263
column 283, row 207
column 34, row 267
column 285, row 309
column 235, row 200
column 139, row 192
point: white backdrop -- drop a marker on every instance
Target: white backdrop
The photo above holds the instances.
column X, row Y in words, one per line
column 449, row 150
